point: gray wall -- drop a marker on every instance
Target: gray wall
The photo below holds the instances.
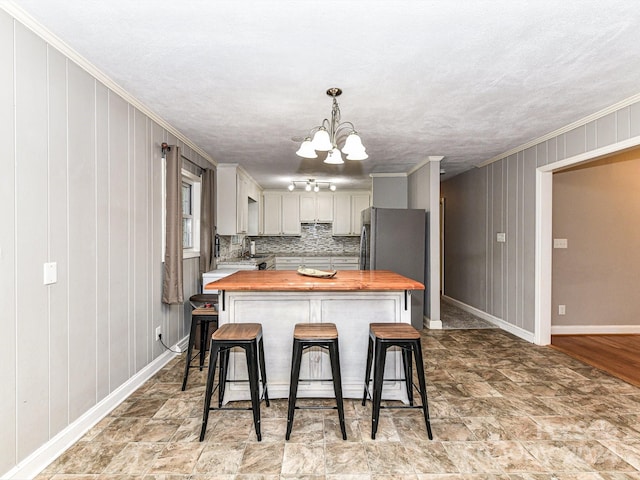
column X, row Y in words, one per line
column 596, row 207
column 500, row 197
column 80, row 186
column 390, row 191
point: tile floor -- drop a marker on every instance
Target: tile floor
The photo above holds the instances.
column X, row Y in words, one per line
column 501, row 408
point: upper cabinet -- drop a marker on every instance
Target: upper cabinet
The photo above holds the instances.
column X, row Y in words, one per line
column 281, row 213
column 347, row 212
column 238, row 201
column 316, row 207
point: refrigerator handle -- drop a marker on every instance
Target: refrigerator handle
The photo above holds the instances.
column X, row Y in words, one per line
column 363, row 248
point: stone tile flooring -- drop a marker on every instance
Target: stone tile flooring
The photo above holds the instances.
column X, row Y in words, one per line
column 501, row 408
column 453, row 317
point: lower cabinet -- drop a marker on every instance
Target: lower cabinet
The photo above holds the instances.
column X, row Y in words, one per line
column 319, row 263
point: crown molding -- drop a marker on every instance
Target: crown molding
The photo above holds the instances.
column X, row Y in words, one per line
column 556, row 133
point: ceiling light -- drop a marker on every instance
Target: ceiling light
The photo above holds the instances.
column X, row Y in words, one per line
column 311, row 184
column 326, row 136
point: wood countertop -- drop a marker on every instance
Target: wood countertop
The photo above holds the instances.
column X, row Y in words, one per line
column 291, row 281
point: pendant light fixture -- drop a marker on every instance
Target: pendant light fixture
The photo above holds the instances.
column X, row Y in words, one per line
column 325, row 137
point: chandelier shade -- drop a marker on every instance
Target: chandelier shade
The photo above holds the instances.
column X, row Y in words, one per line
column 325, row 137
column 306, row 149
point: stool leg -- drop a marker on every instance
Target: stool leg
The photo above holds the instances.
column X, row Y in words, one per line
column 204, row 332
column 213, row 354
column 222, row 380
column 192, row 339
column 296, row 358
column 263, row 371
column 334, row 355
column 367, row 376
column 380, row 354
column 252, row 366
column 408, row 372
column 417, row 352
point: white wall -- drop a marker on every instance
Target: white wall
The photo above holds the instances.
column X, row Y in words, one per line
column 80, row 186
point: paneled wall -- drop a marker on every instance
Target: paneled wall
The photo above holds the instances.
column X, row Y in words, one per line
column 80, row 185
column 499, row 278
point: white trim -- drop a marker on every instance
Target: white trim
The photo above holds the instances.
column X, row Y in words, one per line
column 556, row 133
column 432, row 324
column 399, row 174
column 43, row 456
column 517, row 331
column 32, row 24
column 595, row 329
column 543, row 257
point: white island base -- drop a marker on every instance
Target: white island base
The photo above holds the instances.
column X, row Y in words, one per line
column 352, row 312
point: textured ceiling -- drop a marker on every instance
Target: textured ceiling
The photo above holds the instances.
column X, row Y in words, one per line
column 467, row 80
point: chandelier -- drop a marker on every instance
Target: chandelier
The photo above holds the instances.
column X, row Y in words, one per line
column 326, row 136
column 312, row 184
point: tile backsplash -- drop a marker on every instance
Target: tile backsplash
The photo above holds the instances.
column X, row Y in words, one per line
column 315, row 239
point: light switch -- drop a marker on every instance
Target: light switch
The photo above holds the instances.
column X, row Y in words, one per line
column 560, row 243
column 562, row 309
column 501, row 237
column 50, row 273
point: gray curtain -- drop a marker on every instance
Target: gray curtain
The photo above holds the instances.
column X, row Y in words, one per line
column 207, row 209
column 172, row 283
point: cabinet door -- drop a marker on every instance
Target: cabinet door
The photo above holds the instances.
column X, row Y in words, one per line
column 291, row 214
column 324, row 207
column 358, row 203
column 242, row 203
column 308, row 207
column 272, row 214
column 341, row 214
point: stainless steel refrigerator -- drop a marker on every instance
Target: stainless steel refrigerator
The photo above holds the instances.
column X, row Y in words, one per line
column 394, row 239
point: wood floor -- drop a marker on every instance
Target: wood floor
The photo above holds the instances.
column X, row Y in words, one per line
column 618, row 355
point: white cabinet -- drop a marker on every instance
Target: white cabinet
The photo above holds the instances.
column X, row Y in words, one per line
column 347, row 208
column 344, row 263
column 316, row 207
column 288, row 263
column 319, row 263
column 238, row 198
column 281, row 214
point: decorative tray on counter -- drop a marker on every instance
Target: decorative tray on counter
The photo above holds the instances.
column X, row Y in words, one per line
column 312, row 272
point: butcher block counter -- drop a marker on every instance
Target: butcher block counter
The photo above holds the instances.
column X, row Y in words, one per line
column 291, row 281
column 278, row 299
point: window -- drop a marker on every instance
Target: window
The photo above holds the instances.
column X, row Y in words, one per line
column 187, row 214
column 191, row 187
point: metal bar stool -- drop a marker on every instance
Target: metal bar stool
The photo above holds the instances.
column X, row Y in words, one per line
column 247, row 336
column 204, row 315
column 381, row 337
column 307, row 335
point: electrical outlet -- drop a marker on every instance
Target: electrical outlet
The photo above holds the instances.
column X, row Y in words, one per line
column 562, row 309
column 158, row 333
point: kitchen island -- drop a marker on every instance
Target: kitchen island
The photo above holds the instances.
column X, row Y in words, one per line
column 279, row 299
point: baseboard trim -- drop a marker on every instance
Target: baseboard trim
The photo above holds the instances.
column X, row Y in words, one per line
column 513, row 329
column 595, row 329
column 31, row 466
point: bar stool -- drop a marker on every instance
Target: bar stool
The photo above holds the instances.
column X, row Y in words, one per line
column 203, row 316
column 323, row 335
column 381, row 337
column 247, row 336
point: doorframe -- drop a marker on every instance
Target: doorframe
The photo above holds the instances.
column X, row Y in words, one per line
column 544, row 232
